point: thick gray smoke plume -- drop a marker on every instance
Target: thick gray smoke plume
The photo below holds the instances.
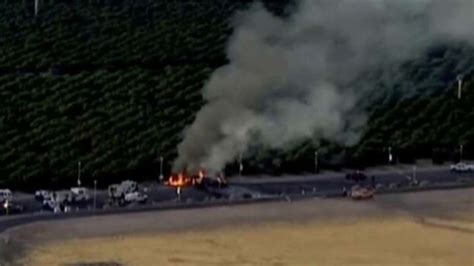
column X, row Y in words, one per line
column 291, row 79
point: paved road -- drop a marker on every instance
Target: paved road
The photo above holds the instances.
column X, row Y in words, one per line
column 156, row 193
column 334, row 182
column 251, row 187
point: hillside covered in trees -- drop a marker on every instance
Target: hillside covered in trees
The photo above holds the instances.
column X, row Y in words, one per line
column 113, row 83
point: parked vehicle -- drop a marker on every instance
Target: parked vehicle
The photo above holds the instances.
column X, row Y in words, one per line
column 42, row 195
column 59, row 201
column 9, row 208
column 49, row 204
column 138, row 197
column 117, row 192
column 80, row 194
column 5, row 194
column 462, row 167
column 64, row 196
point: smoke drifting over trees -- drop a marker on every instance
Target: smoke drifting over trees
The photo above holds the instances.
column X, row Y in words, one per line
column 293, row 78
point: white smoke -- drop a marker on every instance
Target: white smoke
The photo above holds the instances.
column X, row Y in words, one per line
column 292, row 78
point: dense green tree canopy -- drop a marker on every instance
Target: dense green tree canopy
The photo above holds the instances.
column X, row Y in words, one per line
column 114, row 83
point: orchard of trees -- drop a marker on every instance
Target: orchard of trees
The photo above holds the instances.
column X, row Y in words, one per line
column 113, row 83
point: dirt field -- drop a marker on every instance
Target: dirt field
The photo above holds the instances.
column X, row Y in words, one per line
column 429, row 228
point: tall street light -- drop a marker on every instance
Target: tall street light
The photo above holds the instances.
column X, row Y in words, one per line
column 316, row 161
column 241, row 166
column 95, row 193
column 36, row 7
column 459, row 87
column 161, row 169
column 414, row 175
column 390, row 156
column 79, row 174
column 6, row 206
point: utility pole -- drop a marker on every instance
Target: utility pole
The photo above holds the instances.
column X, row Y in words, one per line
column 95, row 193
column 161, row 169
column 79, row 174
column 316, row 161
column 459, row 87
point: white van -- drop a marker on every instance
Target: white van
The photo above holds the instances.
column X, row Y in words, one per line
column 6, row 194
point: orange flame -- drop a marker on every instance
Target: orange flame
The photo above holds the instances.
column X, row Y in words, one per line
column 182, row 179
column 179, row 180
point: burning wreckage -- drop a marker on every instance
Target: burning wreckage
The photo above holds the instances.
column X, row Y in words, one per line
column 217, row 187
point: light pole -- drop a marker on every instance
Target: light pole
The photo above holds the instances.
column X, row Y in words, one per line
column 95, row 193
column 316, row 161
column 461, row 147
column 390, row 156
column 6, row 206
column 36, row 7
column 79, row 174
column 459, row 87
column 241, row 166
column 178, row 192
column 414, row 174
column 161, row 169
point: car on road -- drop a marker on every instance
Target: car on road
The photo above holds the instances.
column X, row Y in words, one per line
column 362, row 193
column 136, row 196
column 462, row 167
column 8, row 208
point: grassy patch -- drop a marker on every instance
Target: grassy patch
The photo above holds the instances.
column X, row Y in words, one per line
column 10, row 252
column 108, row 263
column 397, row 241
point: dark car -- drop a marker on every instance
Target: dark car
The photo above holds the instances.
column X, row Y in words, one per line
column 12, row 209
column 356, row 176
column 208, row 182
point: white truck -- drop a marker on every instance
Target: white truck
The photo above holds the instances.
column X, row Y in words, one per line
column 59, row 201
column 117, row 193
column 64, row 199
column 80, row 194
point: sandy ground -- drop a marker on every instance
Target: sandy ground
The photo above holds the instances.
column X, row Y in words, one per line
column 428, row 228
